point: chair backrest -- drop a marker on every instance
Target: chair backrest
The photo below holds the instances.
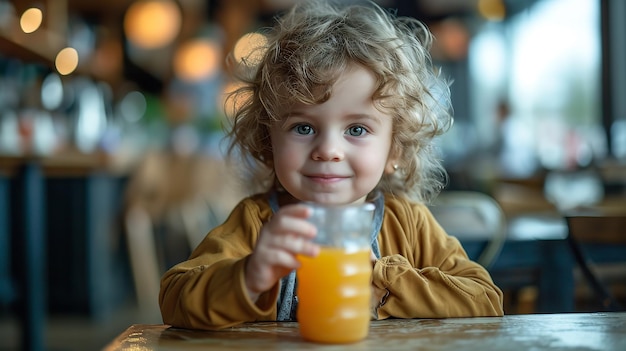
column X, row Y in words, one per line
column 472, row 215
column 172, row 201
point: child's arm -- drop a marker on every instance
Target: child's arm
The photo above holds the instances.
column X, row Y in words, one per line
column 428, row 273
column 208, row 290
column 233, row 275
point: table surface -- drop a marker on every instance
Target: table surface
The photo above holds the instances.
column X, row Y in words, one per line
column 569, row 331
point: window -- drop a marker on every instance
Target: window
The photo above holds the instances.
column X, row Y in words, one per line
column 535, row 88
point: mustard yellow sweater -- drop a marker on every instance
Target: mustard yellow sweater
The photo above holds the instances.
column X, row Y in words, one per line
column 426, row 271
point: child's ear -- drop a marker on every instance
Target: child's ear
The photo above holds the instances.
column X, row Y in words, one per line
column 391, row 166
column 393, row 160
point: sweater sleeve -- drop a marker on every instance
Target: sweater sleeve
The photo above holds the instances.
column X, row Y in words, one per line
column 427, row 272
column 208, row 291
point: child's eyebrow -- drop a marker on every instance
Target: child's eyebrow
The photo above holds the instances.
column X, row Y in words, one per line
column 284, row 117
column 366, row 116
column 296, row 113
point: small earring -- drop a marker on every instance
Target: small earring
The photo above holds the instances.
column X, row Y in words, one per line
column 395, row 167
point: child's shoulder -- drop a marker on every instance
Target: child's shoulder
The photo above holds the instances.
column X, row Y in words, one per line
column 401, row 205
column 260, row 200
column 252, row 209
column 410, row 217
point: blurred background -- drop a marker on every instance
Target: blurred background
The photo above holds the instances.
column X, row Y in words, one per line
column 113, row 167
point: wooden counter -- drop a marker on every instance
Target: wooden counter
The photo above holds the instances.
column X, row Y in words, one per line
column 28, row 207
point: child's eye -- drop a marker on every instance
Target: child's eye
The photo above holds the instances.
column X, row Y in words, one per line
column 356, row 131
column 303, row 129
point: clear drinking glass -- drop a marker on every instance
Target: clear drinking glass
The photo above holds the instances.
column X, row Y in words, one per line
column 334, row 287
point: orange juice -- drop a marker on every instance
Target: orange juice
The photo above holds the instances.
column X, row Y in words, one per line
column 334, row 295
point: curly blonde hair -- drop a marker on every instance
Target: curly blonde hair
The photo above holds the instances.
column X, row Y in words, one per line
column 306, row 51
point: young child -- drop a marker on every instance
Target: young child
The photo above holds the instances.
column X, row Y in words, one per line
column 342, row 108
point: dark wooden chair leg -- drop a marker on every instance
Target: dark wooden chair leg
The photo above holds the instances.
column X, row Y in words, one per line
column 607, row 300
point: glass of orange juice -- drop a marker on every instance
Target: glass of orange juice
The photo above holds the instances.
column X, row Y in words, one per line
column 334, row 287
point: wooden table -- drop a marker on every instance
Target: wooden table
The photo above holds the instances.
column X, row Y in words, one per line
column 580, row 331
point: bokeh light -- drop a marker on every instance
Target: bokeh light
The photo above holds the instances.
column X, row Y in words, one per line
column 52, row 92
column 133, row 106
column 197, row 59
column 31, row 20
column 493, row 10
column 152, row 24
column 66, row 61
column 249, row 49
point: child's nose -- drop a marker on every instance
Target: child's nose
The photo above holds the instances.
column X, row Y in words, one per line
column 328, row 148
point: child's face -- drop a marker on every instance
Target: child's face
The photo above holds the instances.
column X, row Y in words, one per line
column 335, row 152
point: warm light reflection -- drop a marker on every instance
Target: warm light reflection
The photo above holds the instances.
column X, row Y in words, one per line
column 66, row 61
column 152, row 24
column 249, row 49
column 493, row 10
column 230, row 105
column 31, row 20
column 452, row 38
column 197, row 60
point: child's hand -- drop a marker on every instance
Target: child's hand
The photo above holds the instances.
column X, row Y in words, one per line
column 286, row 235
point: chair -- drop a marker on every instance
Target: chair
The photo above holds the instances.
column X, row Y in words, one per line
column 591, row 220
column 607, row 229
column 172, row 201
column 471, row 215
column 144, row 260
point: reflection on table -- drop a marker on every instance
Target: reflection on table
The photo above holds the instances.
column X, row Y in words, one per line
column 597, row 331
